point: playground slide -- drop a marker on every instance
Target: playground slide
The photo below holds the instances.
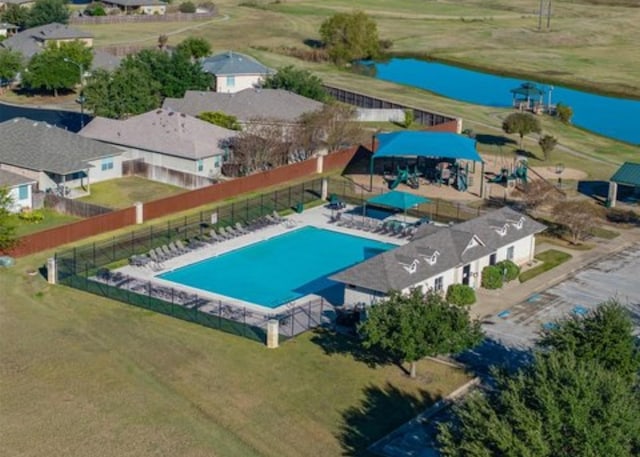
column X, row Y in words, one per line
column 497, row 179
column 462, row 183
column 402, row 177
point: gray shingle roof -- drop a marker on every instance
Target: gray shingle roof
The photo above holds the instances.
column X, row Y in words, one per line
column 8, row 179
column 163, row 131
column 43, row 147
column 456, row 246
column 31, row 41
column 277, row 105
column 105, row 60
column 233, row 63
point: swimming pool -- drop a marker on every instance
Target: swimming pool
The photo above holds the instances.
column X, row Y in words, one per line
column 281, row 269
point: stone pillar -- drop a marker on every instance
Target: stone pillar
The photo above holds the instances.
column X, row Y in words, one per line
column 272, row 334
column 320, row 163
column 139, row 212
column 532, row 248
column 613, row 194
column 325, row 189
column 458, row 125
column 52, row 270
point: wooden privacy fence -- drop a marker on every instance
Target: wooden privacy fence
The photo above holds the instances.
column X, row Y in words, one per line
column 75, row 231
column 139, row 18
column 74, row 207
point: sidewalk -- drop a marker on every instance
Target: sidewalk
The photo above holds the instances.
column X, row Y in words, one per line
column 491, row 302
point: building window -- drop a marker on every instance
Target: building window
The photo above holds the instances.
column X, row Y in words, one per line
column 510, row 253
column 216, row 163
column 23, row 192
column 231, row 81
column 107, row 164
column 200, row 165
column 437, row 284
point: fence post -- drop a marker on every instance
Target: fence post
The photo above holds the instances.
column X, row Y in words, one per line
column 150, row 237
column 94, row 253
column 52, row 270
column 139, row 212
column 272, row 333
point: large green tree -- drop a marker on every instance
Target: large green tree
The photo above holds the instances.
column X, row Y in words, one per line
column 48, row 11
column 10, row 64
column 350, row 36
column 558, row 407
column 8, row 237
column 522, row 124
column 194, row 47
column 15, row 14
column 412, row 326
column 297, row 80
column 49, row 71
column 125, row 92
column 604, row 336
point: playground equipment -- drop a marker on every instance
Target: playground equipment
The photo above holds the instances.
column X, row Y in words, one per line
column 515, row 175
column 453, row 174
column 404, row 177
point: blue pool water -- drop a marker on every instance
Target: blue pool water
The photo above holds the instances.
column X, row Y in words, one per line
column 609, row 116
column 275, row 271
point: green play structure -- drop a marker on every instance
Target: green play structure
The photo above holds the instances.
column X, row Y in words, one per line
column 404, row 177
column 517, row 174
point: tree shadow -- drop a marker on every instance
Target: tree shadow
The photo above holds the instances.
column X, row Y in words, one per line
column 527, row 154
column 338, row 343
column 381, row 412
column 494, row 354
column 313, row 43
column 494, row 140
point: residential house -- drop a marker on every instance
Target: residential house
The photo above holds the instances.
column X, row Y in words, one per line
column 234, row 72
column 56, row 159
column 7, row 30
column 20, row 190
column 165, row 138
column 250, row 106
column 31, row 41
column 138, row 6
column 438, row 257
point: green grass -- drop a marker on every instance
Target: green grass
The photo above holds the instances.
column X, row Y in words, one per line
column 51, row 219
column 551, row 259
column 124, row 192
column 89, row 376
column 603, row 233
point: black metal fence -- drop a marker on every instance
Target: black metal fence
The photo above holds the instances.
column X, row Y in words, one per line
column 91, row 268
column 437, row 209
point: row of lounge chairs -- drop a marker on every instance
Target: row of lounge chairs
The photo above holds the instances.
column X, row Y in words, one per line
column 368, row 224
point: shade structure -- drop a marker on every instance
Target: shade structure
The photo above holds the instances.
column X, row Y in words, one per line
column 397, row 199
column 426, row 144
column 528, row 90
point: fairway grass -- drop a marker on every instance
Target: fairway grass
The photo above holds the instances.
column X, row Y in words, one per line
column 84, row 376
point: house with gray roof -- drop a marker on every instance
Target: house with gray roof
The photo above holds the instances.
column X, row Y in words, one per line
column 20, row 190
column 234, row 72
column 31, row 41
column 7, row 29
column 138, row 6
column 23, row 3
column 438, row 257
column 54, row 158
column 166, row 139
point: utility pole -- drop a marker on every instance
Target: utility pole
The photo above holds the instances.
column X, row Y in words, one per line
column 81, row 97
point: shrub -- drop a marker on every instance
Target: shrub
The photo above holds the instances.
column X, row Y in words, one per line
column 459, row 294
column 621, row 216
column 95, row 9
column 564, row 113
column 512, row 270
column 491, row 277
column 409, row 117
column 32, row 217
column 187, row 7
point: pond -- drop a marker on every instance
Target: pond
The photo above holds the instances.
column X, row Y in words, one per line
column 67, row 120
column 609, row 116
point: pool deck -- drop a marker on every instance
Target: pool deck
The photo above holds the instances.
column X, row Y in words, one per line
column 319, row 217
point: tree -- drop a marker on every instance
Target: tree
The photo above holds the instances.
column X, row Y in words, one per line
column 461, row 295
column 187, row 7
column 15, row 14
column 8, row 237
column 547, row 144
column 350, row 36
column 220, row 119
column 48, row 11
column 299, row 81
column 564, row 113
column 48, row 70
column 194, row 47
column 125, row 92
column 412, row 326
column 260, row 147
column 604, row 336
column 560, row 406
column 10, row 64
column 95, row 9
column 522, row 124
column 163, row 39
column 333, row 127
column 539, row 192
column 578, row 216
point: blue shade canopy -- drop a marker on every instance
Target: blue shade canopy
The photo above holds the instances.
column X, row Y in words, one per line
column 426, row 144
column 397, row 199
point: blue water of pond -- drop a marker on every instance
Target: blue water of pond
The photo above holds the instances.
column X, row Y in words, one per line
column 609, row 116
column 67, row 120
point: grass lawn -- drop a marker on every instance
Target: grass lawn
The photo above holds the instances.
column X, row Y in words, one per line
column 606, row 234
column 89, row 376
column 51, row 219
column 551, row 259
column 124, row 192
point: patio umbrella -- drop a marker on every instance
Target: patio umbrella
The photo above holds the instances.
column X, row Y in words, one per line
column 399, row 200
